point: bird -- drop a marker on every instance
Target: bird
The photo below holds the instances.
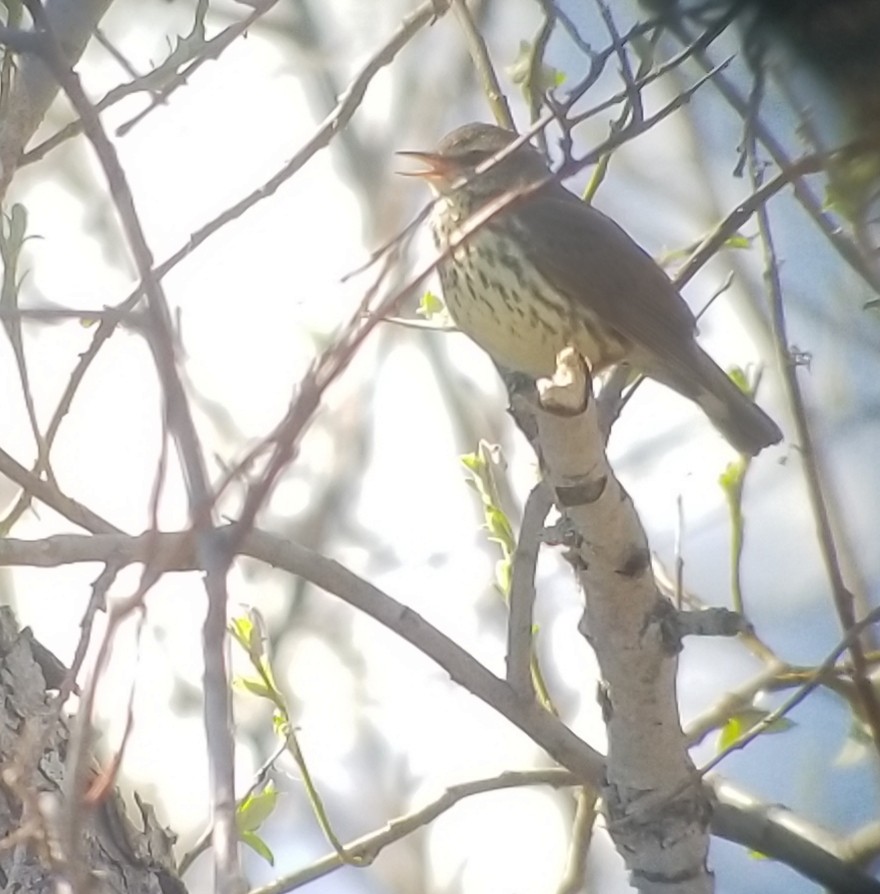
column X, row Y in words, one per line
column 549, row 271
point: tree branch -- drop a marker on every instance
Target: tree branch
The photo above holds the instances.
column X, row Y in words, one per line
column 657, row 815
column 741, row 819
column 35, row 86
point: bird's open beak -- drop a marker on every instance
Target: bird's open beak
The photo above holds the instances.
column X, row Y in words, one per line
column 436, row 167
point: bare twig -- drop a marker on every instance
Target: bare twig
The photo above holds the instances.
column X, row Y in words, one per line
column 345, row 108
column 631, row 89
column 843, row 598
column 367, row 848
column 585, row 815
column 217, row 701
column 211, row 50
column 522, row 590
column 808, row 200
column 533, row 84
column 815, row 680
column 483, row 64
column 97, row 602
column 50, row 494
column 174, row 552
column 715, row 240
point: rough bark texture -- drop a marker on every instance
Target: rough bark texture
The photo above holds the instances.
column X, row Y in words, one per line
column 111, row 854
column 657, row 811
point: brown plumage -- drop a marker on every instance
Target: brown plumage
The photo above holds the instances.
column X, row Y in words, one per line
column 550, row 271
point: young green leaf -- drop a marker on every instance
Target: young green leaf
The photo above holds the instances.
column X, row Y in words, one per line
column 431, row 306
column 256, row 808
column 258, row 846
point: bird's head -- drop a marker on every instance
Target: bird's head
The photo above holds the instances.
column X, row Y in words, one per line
column 460, row 153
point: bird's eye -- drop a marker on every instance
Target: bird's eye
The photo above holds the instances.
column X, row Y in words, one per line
column 473, row 157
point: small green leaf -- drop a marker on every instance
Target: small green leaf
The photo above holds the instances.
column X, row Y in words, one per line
column 281, row 724
column 255, row 687
column 739, row 378
column 780, row 725
column 13, row 227
column 858, row 747
column 744, row 721
column 499, row 526
column 731, row 478
column 241, row 629
column 730, row 732
column 859, row 733
column 247, row 630
column 471, row 461
column 503, row 575
column 256, row 809
column 431, row 306
column 738, row 241
column 258, row 846
column 484, row 465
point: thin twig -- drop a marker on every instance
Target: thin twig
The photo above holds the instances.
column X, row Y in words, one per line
column 483, row 64
column 117, row 54
column 816, row 678
column 211, row 50
column 367, row 848
column 586, row 813
column 204, row 840
column 631, row 89
column 522, row 590
column 726, row 228
column 51, row 495
column 808, row 200
column 533, row 84
column 843, row 598
column 97, row 602
column 341, row 114
column 179, row 419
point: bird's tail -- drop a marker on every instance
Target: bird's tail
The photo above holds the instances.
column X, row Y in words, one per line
column 739, row 419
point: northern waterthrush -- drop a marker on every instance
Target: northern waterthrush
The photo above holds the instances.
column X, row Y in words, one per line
column 548, row 271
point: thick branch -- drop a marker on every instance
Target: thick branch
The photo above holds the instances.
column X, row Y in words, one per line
column 658, row 815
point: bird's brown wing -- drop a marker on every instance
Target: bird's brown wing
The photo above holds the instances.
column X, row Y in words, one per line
column 593, row 262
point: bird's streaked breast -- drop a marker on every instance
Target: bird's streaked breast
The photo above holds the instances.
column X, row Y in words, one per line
column 497, row 297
